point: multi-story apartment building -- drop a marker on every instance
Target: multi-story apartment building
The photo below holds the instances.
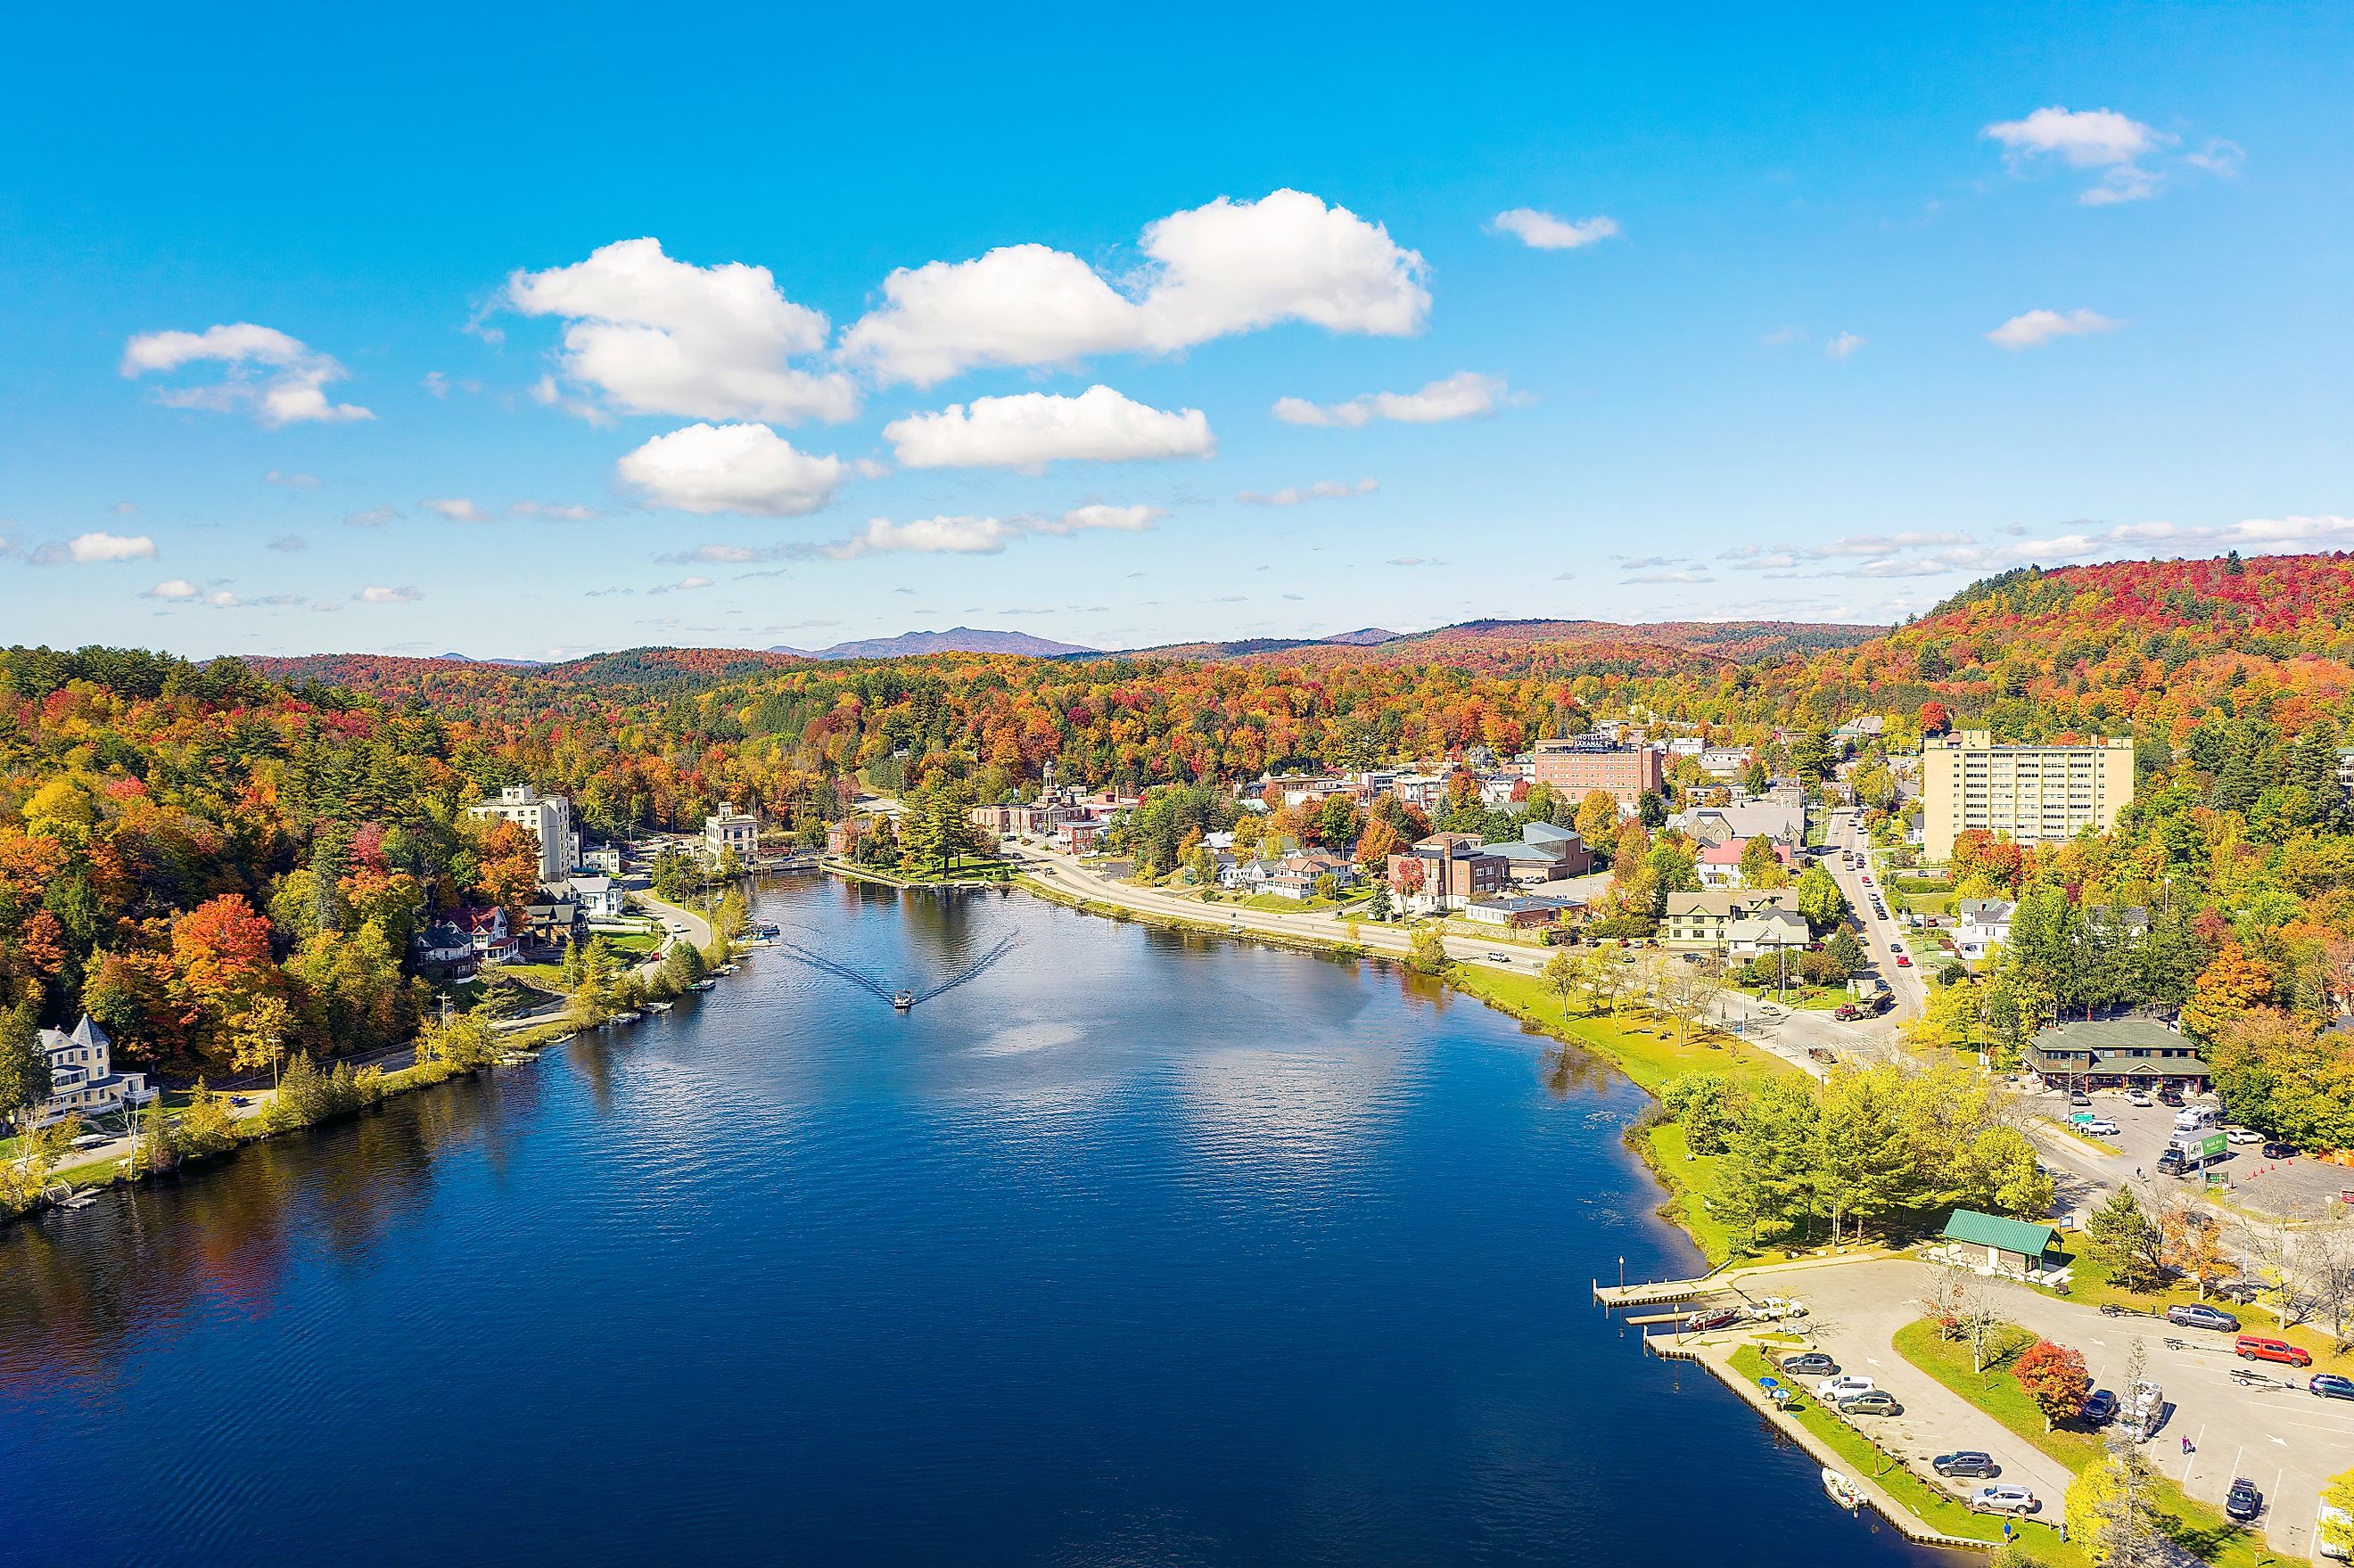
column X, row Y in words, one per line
column 1578, row 768
column 2031, row 794
column 549, row 816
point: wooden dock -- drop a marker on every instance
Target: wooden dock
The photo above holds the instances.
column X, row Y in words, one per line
column 1658, row 1293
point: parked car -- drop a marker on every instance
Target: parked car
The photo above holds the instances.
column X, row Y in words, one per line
column 2329, row 1385
column 2100, row 1408
column 2262, row 1348
column 1810, row 1363
column 2280, row 1151
column 2139, row 1098
column 1879, row 1402
column 2330, row 1515
column 1772, row 1309
column 1895, row 947
column 1506, row 958
column 2244, row 1502
column 1967, row 1462
column 2198, row 1315
column 2004, row 1499
column 2079, row 1097
column 2169, row 1096
column 1903, row 962
column 2098, row 1125
column 1831, row 1390
column 2242, row 1135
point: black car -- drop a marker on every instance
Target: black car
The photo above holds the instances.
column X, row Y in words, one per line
column 1813, row 1364
column 2198, row 1315
column 2244, row 1502
column 2280, row 1151
column 2329, row 1385
column 2100, row 1409
column 1968, row 1462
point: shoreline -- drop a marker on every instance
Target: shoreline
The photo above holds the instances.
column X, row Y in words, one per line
column 518, row 1036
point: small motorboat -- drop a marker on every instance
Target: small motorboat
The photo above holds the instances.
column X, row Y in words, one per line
column 704, row 984
column 659, row 1006
column 1841, row 1490
column 903, row 999
column 627, row 1017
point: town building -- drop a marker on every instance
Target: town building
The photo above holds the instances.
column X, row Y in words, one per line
column 83, row 1079
column 2116, row 1053
column 842, row 838
column 2030, row 794
column 1578, row 768
column 1719, row 864
column 443, row 951
column 1725, row 762
column 1446, row 871
column 1784, row 821
column 1992, row 1244
column 729, row 828
column 1706, row 919
column 553, row 917
column 1520, row 913
column 549, row 816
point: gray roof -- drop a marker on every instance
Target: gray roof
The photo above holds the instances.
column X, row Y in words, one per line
column 1545, row 832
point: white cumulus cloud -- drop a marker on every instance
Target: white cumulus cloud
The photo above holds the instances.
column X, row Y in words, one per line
column 1464, row 395
column 1543, row 231
column 2099, row 139
column 1225, row 268
column 177, row 589
column 655, row 335
column 387, row 595
column 1030, row 429
column 457, row 509
column 731, row 468
column 281, row 378
column 96, row 549
column 552, row 511
column 1843, row 346
column 2034, row 328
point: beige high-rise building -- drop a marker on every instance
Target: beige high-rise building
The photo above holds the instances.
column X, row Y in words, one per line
column 2030, row 794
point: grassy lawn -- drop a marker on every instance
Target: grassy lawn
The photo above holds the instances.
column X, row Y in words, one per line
column 1936, row 1508
column 1693, row 1181
column 2199, row 1530
column 1648, row 1052
column 2089, row 1282
column 1275, row 904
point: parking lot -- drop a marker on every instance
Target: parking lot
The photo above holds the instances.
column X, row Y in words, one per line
column 2298, row 1185
column 2281, row 1437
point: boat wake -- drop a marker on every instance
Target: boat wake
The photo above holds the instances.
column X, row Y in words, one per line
column 901, row 997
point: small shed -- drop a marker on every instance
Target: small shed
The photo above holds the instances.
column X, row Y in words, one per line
column 1998, row 1245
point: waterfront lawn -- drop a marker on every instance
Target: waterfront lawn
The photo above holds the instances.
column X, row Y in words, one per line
column 1694, row 1183
column 1935, row 1507
column 2201, row 1530
column 1275, row 904
column 1648, row 1052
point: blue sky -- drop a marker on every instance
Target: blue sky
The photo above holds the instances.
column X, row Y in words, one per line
column 320, row 332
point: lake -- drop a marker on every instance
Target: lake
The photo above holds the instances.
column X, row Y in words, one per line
column 1139, row 1248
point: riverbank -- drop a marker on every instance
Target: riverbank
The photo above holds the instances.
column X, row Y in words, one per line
column 520, row 1037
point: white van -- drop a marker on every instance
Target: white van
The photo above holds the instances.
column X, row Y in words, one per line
column 2190, row 1118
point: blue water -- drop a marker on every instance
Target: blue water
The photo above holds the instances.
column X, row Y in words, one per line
column 1138, row 1249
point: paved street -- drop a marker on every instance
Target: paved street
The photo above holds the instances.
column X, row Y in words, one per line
column 2284, row 1439
column 1904, row 983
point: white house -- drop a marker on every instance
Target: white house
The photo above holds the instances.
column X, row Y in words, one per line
column 547, row 816
column 600, row 897
column 1980, row 924
column 1766, row 930
column 83, row 1079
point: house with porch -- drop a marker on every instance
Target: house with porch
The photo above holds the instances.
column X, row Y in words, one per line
column 1980, row 926
column 83, row 1079
column 1705, row 919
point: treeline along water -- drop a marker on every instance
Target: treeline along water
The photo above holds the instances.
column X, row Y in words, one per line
column 1137, row 1248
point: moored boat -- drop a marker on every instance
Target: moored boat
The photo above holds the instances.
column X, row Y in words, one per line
column 1841, row 1490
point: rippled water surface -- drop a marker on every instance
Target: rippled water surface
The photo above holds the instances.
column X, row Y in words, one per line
column 1138, row 1249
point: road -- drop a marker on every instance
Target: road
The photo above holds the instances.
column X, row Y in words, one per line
column 2282, row 1438
column 1904, row 983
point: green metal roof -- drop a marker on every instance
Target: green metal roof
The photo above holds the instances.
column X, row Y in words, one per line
column 1992, row 1230
column 2110, row 1032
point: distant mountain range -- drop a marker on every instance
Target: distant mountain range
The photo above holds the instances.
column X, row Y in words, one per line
column 954, row 640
